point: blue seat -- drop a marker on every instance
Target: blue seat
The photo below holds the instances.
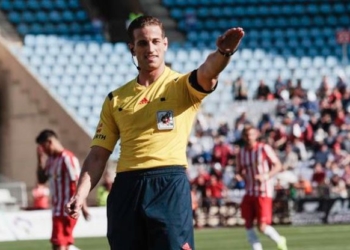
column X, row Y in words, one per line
column 49, row 28
column 203, row 12
column 61, row 4
column 62, row 29
column 319, row 20
column 216, row 12
column 41, row 16
column 6, row 5
column 344, row 20
column 55, row 16
column 332, row 20
column 75, row 28
column 36, row 60
column 67, row 16
column 28, row 17
column 49, row 60
column 36, row 29
column 33, row 5
column 287, row 9
column 210, row 24
column 325, row 8
column 45, row 71
column 19, row 5
column 299, row 9
column 312, row 8
column 73, row 4
column 176, row 13
column 47, row 5
column 62, row 59
column 53, row 50
column 81, row 16
column 169, row 3
column 14, row 17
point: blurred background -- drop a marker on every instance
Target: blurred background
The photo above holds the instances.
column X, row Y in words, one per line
column 60, row 58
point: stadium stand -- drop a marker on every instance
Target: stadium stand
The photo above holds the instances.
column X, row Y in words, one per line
column 292, row 39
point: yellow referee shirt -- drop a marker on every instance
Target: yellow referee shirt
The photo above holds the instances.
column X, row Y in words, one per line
column 153, row 123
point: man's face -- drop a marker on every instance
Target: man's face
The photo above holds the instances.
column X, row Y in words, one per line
column 251, row 136
column 47, row 147
column 149, row 47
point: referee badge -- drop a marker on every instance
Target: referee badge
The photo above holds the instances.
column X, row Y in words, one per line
column 165, row 120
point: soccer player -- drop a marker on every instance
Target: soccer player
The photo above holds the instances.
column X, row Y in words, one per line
column 149, row 206
column 257, row 163
column 62, row 170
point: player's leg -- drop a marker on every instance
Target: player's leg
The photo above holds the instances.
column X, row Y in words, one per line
column 264, row 222
column 126, row 229
column 168, row 208
column 248, row 214
column 62, row 232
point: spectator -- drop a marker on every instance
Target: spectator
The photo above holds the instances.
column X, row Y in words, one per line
column 338, row 187
column 346, row 142
column 216, row 191
column 319, row 176
column 289, row 158
column 239, row 90
column 341, row 84
column 222, row 151
column 194, row 199
column 311, row 104
column 290, row 87
column 303, row 187
column 322, row 155
column 279, row 87
column 41, row 196
column 346, row 176
column 104, row 189
column 324, row 89
column 266, row 123
column 339, row 156
column 263, row 92
column 299, row 91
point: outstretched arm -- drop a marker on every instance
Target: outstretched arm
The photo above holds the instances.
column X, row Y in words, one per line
column 227, row 44
column 92, row 170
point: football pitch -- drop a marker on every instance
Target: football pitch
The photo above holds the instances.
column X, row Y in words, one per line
column 324, row 237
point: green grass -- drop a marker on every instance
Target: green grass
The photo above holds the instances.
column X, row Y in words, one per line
column 299, row 238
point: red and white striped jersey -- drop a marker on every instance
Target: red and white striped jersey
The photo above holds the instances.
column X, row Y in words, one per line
column 63, row 171
column 256, row 161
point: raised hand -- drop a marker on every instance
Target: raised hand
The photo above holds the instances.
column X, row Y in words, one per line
column 230, row 40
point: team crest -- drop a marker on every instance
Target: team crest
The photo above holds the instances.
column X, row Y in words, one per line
column 165, row 120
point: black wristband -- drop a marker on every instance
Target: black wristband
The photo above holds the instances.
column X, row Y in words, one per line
column 227, row 54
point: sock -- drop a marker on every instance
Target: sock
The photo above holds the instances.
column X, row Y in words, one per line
column 272, row 234
column 253, row 240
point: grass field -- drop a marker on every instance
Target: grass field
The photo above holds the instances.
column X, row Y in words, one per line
column 299, row 238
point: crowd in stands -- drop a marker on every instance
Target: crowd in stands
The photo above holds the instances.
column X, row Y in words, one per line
column 309, row 130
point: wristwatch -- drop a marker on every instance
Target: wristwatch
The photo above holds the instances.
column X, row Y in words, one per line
column 226, row 54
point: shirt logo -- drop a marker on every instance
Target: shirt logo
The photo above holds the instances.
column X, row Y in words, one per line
column 144, row 101
column 165, row 120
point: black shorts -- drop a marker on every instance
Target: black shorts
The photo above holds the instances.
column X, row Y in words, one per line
column 150, row 210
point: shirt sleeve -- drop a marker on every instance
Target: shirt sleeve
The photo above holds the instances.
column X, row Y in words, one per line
column 194, row 87
column 107, row 132
column 73, row 167
column 270, row 154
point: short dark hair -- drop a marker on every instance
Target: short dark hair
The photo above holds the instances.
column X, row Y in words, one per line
column 247, row 127
column 44, row 135
column 143, row 21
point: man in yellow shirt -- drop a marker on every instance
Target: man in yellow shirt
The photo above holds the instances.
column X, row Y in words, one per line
column 149, row 206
